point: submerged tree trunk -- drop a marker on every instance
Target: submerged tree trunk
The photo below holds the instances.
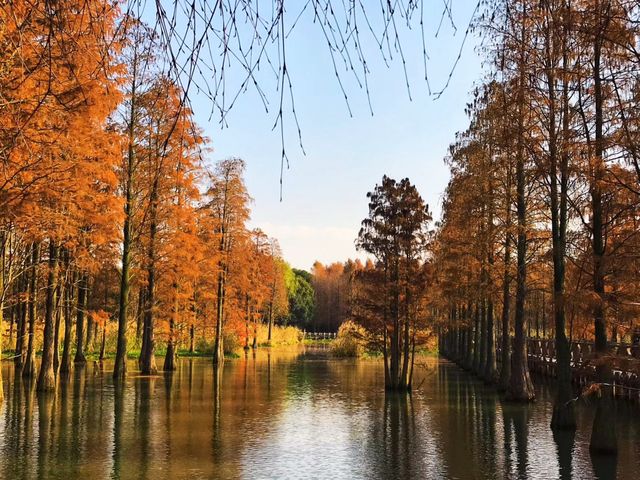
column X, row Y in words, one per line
column 21, row 328
column 103, row 343
column 483, row 338
column 65, row 363
column 147, row 354
column 490, row 375
column 396, row 380
column 247, row 321
column 254, row 345
column 406, row 343
column 385, row 351
column 81, row 309
column 270, row 327
column 120, row 365
column 56, row 337
column 603, row 434
column 505, row 341
column 563, row 409
column 476, row 341
column 29, row 367
column 520, row 387
column 46, row 377
column 88, row 342
column 170, row 356
column 218, row 353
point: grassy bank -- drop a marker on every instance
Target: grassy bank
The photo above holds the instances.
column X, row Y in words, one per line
column 233, row 345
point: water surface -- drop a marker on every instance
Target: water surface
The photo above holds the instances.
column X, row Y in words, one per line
column 294, row 414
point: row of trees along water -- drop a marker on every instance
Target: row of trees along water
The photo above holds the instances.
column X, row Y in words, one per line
column 542, row 205
column 113, row 230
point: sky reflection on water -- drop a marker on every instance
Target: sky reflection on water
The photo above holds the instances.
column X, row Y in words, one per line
column 294, row 414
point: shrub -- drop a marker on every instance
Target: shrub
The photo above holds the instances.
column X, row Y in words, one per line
column 230, row 342
column 350, row 340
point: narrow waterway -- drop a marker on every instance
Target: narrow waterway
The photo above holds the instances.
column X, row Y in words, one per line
column 294, row 414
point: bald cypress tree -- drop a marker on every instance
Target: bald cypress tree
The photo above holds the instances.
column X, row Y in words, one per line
column 395, row 232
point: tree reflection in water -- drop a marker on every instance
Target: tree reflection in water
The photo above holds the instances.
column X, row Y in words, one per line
column 285, row 414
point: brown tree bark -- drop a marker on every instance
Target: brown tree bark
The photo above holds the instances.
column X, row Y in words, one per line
column 147, row 354
column 520, row 386
column 81, row 309
column 29, row 367
column 563, row 410
column 603, row 433
column 47, row 377
column 65, row 363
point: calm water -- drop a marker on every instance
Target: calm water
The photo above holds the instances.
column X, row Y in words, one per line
column 293, row 414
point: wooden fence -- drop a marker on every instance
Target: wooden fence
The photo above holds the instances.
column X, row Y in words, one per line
column 542, row 360
column 320, row 335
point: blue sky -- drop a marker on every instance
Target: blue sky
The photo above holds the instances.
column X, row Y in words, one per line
column 324, row 191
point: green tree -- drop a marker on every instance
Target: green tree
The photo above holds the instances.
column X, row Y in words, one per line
column 301, row 297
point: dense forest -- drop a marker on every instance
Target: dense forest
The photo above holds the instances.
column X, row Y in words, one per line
column 117, row 236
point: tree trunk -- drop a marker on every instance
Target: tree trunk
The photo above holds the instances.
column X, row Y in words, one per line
column 490, row 375
column 394, row 369
column 218, row 353
column 476, row 341
column 520, row 386
column 81, row 308
column 21, row 329
column 140, row 313
column 270, row 321
column 120, row 365
column 12, row 313
column 170, row 356
column 603, row 433
column 563, row 408
column 247, row 321
column 147, row 355
column 56, row 337
column 254, row 345
column 2, row 288
column 385, row 352
column 47, row 378
column 65, row 363
column 483, row 339
column 406, row 343
column 104, row 342
column 505, row 354
column 89, row 340
column 29, row 367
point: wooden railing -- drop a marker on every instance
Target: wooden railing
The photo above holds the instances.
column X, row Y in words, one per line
column 542, row 360
column 320, row 335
